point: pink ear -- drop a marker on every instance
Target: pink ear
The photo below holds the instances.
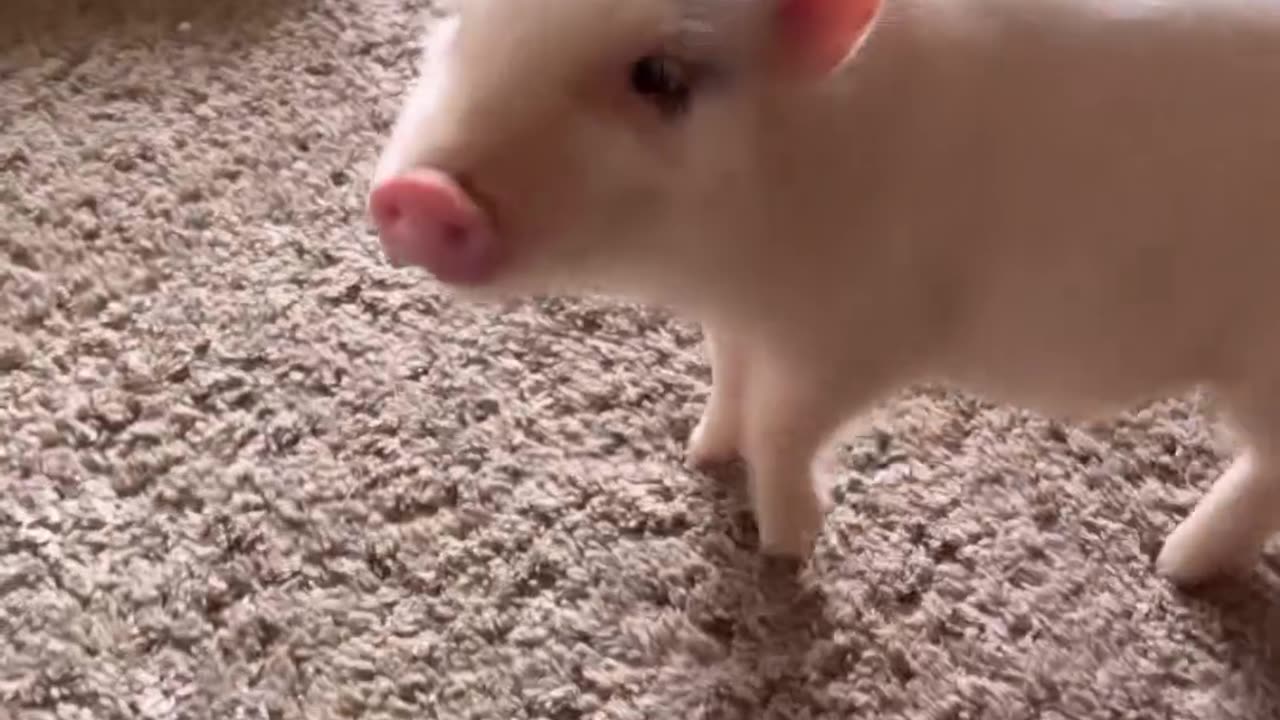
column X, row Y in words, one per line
column 818, row 34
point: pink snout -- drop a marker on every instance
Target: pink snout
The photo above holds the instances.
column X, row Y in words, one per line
column 425, row 219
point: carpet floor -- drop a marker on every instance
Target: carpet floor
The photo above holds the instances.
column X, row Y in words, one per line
column 249, row 471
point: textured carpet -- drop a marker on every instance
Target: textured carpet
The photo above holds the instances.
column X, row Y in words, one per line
column 248, row 471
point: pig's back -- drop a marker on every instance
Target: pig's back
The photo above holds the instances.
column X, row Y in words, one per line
column 1120, row 162
column 1113, row 115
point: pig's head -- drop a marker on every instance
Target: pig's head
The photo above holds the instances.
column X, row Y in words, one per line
column 611, row 145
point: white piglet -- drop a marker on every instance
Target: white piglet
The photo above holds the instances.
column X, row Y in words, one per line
column 1072, row 205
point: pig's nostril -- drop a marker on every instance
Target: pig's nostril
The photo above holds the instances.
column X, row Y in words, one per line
column 454, row 236
column 386, row 212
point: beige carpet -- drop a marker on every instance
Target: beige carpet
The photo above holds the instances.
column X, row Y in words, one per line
column 248, row 471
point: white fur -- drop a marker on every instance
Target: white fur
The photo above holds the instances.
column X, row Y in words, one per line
column 1072, row 205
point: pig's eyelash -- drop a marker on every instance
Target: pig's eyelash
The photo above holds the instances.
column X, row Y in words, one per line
column 699, row 17
column 693, row 27
column 692, row 36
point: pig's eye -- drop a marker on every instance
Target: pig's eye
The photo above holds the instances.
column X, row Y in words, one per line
column 662, row 81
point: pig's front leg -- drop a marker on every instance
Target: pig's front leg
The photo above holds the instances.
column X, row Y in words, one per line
column 790, row 409
column 717, row 436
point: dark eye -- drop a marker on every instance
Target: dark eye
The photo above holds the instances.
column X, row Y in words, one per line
column 662, row 81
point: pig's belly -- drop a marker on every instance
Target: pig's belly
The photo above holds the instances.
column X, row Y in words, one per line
column 1086, row 363
column 1071, row 386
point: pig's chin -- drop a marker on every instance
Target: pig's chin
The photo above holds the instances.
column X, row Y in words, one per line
column 461, row 273
column 537, row 266
column 510, row 277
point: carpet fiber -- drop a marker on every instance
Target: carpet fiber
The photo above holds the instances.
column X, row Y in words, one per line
column 249, row 471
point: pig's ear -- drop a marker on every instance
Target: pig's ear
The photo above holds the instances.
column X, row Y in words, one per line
column 815, row 36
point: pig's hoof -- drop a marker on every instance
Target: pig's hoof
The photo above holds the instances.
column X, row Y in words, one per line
column 709, row 445
column 794, row 544
column 792, row 536
column 1190, row 558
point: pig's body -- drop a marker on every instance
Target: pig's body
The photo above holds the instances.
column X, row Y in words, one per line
column 1071, row 206
column 1096, row 185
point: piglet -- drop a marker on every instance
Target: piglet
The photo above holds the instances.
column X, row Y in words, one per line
column 1069, row 205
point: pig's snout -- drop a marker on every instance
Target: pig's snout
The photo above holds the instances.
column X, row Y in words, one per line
column 424, row 218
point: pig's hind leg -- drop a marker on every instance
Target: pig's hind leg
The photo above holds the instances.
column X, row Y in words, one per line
column 1228, row 529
